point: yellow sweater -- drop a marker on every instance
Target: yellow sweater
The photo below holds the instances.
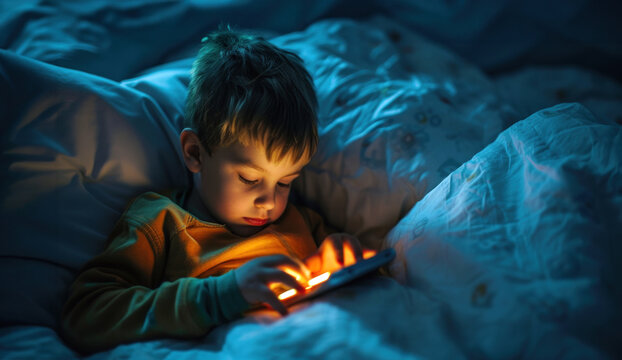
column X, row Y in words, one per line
column 166, row 273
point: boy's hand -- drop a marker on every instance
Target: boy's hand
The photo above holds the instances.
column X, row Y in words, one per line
column 336, row 251
column 255, row 277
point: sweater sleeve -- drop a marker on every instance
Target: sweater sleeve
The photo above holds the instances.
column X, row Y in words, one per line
column 119, row 296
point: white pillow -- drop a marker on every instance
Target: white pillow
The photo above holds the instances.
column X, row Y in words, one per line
column 76, row 148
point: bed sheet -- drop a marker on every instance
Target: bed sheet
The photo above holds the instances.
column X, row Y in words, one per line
column 348, row 323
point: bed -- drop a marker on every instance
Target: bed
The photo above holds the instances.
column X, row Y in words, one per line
column 490, row 162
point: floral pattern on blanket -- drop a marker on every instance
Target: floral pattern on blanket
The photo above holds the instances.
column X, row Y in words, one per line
column 393, row 123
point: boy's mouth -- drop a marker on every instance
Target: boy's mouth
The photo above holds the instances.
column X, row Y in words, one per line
column 256, row 221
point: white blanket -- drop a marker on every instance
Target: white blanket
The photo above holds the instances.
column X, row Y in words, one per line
column 506, row 248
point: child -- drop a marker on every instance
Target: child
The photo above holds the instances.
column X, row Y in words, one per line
column 180, row 263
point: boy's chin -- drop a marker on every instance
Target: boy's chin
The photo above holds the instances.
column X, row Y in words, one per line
column 245, row 230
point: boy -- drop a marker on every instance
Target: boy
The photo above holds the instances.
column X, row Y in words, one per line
column 178, row 264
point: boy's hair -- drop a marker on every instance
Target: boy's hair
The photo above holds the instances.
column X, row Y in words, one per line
column 245, row 89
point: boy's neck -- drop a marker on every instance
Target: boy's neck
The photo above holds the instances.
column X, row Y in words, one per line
column 194, row 205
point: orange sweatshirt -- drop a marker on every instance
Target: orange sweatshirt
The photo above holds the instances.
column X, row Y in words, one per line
column 166, row 273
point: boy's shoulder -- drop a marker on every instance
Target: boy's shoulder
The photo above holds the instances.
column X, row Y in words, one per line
column 151, row 205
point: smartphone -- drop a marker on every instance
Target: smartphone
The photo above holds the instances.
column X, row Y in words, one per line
column 327, row 281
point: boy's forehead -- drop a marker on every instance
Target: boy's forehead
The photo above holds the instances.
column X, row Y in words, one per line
column 254, row 156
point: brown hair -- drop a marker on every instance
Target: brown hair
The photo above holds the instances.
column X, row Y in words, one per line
column 243, row 88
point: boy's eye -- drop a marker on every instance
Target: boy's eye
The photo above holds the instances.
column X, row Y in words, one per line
column 284, row 185
column 247, row 181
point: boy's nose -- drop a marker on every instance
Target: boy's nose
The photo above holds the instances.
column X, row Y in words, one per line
column 266, row 200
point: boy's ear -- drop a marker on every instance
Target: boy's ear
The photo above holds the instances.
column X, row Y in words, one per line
column 191, row 149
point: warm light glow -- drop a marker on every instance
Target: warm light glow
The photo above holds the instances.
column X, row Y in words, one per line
column 367, row 253
column 287, row 294
column 318, row 279
column 348, row 257
column 292, row 272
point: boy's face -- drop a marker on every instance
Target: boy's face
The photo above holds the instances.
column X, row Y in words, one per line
column 241, row 188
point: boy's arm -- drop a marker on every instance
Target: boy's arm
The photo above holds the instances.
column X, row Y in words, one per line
column 119, row 297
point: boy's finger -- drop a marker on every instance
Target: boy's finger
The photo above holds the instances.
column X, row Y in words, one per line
column 292, row 266
column 332, row 250
column 271, row 299
column 339, row 252
column 367, row 253
column 278, row 276
column 358, row 249
column 302, row 267
column 314, row 263
column 278, row 306
column 348, row 255
column 283, row 260
column 300, row 271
